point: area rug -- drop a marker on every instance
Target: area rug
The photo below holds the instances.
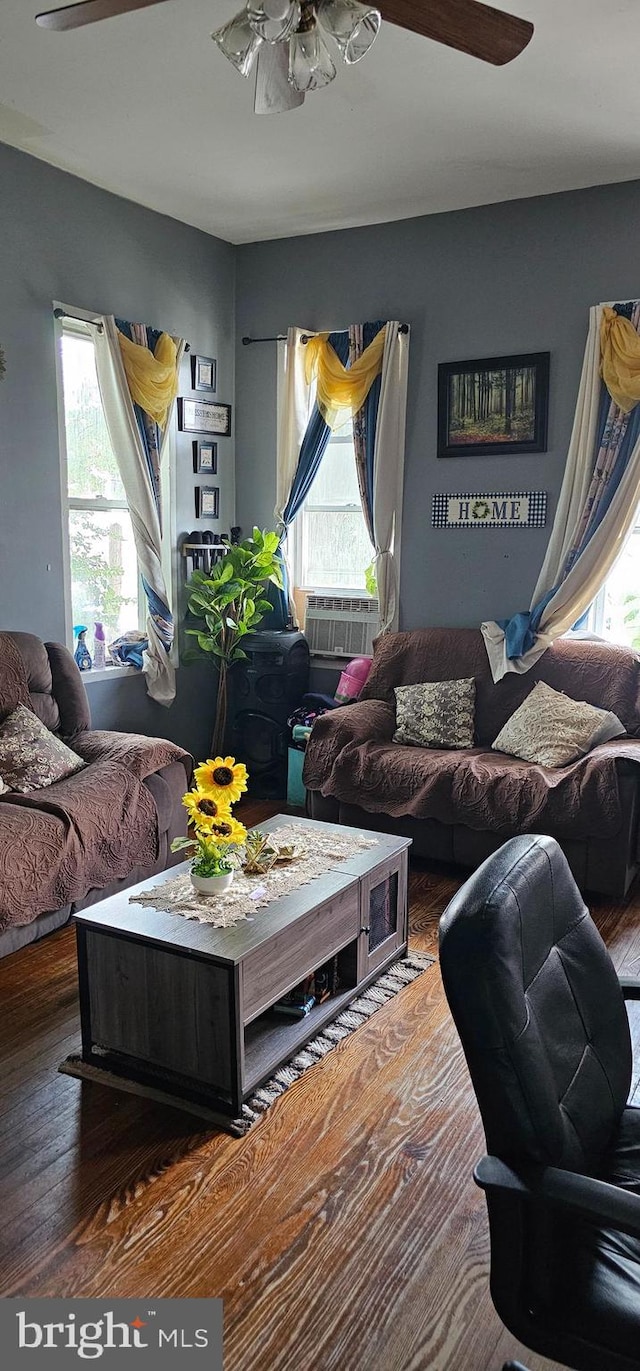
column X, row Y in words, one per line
column 390, row 983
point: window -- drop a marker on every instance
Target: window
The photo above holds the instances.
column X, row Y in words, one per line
column 331, row 545
column 615, row 612
column 103, row 566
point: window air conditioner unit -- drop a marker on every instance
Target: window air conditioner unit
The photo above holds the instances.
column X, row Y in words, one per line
column 341, row 625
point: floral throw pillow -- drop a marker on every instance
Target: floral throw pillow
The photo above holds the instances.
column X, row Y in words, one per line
column 436, row 714
column 30, row 756
column 552, row 729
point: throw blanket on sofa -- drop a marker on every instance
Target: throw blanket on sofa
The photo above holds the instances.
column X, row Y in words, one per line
column 139, row 754
column 82, row 833
column 14, row 689
column 350, row 756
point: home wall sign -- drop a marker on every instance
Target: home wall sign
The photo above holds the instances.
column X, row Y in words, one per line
column 489, row 509
column 203, row 416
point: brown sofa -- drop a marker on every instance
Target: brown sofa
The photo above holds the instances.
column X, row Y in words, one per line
column 460, row 806
column 100, row 830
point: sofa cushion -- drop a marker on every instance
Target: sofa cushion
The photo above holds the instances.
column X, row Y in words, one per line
column 435, row 714
column 552, row 729
column 30, row 756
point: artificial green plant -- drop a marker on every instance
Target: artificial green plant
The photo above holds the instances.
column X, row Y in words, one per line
column 230, row 603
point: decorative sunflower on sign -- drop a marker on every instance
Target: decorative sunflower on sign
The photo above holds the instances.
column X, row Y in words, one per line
column 216, row 837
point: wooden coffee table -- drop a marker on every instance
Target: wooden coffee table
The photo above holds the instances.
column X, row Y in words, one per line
column 182, row 1011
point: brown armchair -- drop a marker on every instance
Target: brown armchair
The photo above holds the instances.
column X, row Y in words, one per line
column 100, row 830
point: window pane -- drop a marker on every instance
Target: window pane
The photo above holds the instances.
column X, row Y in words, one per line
column 337, row 481
column 622, row 597
column 91, row 465
column 336, row 550
column 104, row 571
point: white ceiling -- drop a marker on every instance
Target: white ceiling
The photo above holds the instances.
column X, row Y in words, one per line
column 146, row 106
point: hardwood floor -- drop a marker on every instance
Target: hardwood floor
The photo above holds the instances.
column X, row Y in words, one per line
column 344, row 1233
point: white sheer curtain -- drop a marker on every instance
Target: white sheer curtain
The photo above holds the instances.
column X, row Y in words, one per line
column 388, row 472
column 145, row 516
column 589, row 571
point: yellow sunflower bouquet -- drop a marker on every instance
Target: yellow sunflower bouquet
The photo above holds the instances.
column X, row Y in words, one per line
column 215, row 837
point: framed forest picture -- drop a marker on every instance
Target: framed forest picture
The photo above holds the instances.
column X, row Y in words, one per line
column 493, row 405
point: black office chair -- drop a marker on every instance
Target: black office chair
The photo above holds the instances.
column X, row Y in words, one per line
column 542, row 1020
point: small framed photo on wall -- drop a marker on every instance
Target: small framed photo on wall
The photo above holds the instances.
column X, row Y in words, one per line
column 205, row 457
column 203, row 416
column 207, row 502
column 203, row 373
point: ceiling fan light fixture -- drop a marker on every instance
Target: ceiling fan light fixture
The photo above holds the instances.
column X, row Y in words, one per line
column 274, row 20
column 310, row 64
column 353, row 26
column 239, row 42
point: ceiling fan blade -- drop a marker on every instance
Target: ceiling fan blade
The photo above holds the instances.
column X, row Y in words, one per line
column 88, row 12
column 466, row 25
column 274, row 95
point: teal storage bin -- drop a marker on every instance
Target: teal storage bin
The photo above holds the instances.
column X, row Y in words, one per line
column 296, row 793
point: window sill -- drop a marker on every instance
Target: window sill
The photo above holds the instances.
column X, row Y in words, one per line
column 338, row 591
column 322, row 662
column 109, row 673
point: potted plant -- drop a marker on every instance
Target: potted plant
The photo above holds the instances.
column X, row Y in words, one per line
column 216, row 837
column 230, row 602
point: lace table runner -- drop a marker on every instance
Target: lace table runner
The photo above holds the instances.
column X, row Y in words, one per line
column 318, row 851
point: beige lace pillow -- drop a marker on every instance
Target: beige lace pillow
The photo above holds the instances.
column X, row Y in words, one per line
column 553, row 730
column 436, row 714
column 30, row 756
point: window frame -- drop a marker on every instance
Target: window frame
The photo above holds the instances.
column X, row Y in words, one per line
column 76, row 322
column 597, row 610
column 296, row 532
column 299, row 536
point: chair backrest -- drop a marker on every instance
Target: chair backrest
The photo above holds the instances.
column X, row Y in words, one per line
column 56, row 688
column 538, row 1007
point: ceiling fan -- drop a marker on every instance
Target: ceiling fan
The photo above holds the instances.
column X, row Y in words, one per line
column 288, row 36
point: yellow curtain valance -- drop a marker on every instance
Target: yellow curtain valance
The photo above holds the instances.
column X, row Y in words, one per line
column 152, row 376
column 620, row 359
column 341, row 391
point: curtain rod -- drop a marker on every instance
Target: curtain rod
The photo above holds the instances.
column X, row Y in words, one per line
column 64, row 314
column 304, row 337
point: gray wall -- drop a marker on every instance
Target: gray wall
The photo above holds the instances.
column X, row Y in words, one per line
column 516, row 277
column 64, row 239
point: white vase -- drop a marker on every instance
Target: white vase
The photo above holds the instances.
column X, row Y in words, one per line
column 212, row 885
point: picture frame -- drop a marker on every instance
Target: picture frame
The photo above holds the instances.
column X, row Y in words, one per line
column 203, row 373
column 203, row 416
column 205, row 457
column 493, row 405
column 207, row 502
